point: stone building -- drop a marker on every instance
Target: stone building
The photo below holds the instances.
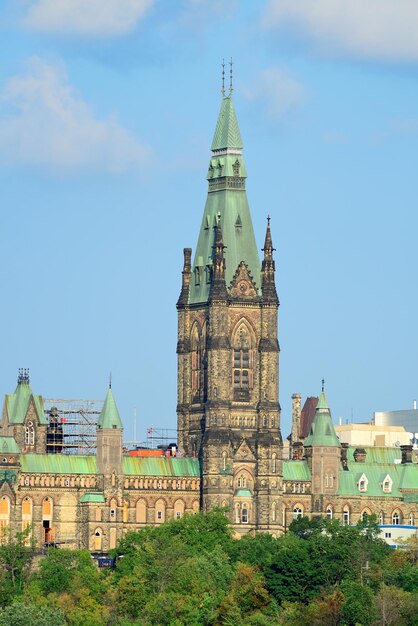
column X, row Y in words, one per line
column 228, row 414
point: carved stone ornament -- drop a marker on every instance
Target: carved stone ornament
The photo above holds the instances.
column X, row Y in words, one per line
column 242, row 285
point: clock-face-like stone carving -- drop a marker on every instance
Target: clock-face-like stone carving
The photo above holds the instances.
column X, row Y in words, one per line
column 242, row 285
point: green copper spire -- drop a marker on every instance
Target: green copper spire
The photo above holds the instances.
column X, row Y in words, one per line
column 322, row 429
column 227, row 133
column 227, row 203
column 109, row 417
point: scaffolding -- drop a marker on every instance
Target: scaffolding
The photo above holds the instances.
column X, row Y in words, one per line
column 72, row 425
column 161, row 438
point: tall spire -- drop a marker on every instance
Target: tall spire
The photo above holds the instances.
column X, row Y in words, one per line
column 268, row 286
column 227, row 195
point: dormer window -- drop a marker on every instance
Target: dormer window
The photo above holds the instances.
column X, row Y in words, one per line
column 197, row 276
column 387, row 484
column 362, row 483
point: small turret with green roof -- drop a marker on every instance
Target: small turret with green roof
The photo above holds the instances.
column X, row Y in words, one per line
column 322, row 431
column 109, row 417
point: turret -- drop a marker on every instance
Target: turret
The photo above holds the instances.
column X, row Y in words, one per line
column 268, row 286
column 109, row 438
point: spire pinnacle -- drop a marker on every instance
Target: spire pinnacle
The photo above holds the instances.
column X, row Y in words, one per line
column 323, row 385
column 223, row 78
column 23, row 376
column 110, row 380
column 268, row 268
column 230, row 77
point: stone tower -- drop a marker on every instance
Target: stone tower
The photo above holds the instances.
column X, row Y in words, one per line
column 228, row 352
column 323, row 454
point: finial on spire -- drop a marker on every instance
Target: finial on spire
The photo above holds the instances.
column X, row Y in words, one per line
column 110, row 380
column 230, row 77
column 23, row 376
column 223, row 78
column 268, row 219
column 323, row 385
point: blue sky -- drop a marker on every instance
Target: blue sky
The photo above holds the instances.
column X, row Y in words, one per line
column 107, row 111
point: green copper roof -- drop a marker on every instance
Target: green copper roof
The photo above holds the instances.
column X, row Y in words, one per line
column 93, row 497
column 109, row 417
column 161, row 466
column 7, row 445
column 227, row 133
column 379, row 463
column 226, row 197
column 296, row 470
column 17, row 404
column 322, row 430
column 244, row 493
column 58, row 464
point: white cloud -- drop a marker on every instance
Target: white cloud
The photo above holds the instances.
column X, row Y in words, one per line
column 43, row 122
column 277, row 89
column 86, row 17
column 374, row 29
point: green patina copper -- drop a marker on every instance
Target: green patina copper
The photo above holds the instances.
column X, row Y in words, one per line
column 296, row 470
column 93, row 497
column 244, row 493
column 227, row 133
column 322, row 430
column 227, row 198
column 161, row 466
column 17, row 404
column 109, row 417
column 8, row 445
column 58, row 464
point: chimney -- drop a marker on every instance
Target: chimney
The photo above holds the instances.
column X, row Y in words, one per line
column 296, row 412
column 406, row 454
column 344, row 458
column 360, row 455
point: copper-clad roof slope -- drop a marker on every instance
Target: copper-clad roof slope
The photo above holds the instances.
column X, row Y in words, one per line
column 307, row 415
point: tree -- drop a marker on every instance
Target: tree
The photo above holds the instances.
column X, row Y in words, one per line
column 21, row 614
column 15, row 560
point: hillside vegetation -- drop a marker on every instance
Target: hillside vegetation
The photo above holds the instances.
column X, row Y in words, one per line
column 191, row 571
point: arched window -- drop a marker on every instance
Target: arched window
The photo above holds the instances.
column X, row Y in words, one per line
column 125, row 517
column 242, row 364
column 112, row 509
column 244, row 514
column 141, row 512
column 196, row 360
column 273, row 512
column 396, row 518
column 329, row 512
column 346, row 515
column 98, row 539
column 159, row 511
column 26, row 516
column 381, row 518
column 4, row 517
column 178, row 509
column 47, row 509
column 297, row 512
column 237, row 513
column 30, row 434
column 411, row 519
column 273, row 463
column 365, row 514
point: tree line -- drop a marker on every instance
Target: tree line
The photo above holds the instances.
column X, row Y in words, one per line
column 192, row 571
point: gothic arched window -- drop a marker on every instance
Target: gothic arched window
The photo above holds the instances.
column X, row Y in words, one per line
column 30, row 434
column 242, row 364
